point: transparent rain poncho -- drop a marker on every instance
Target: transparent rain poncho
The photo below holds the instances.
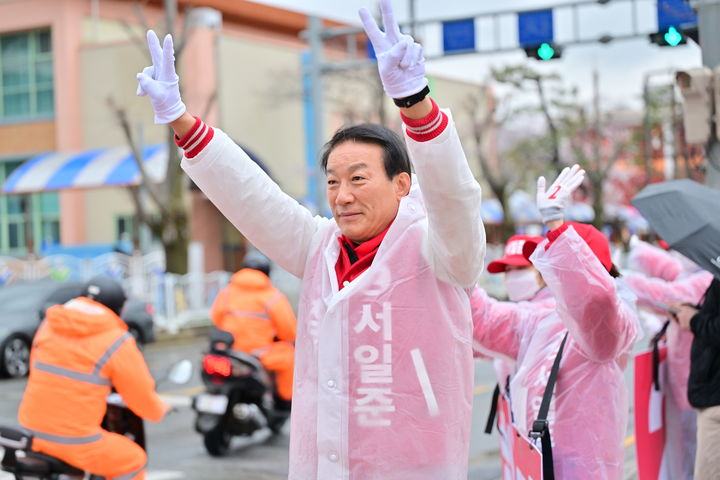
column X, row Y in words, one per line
column 589, row 409
column 383, row 368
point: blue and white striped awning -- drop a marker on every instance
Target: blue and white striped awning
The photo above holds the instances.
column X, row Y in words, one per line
column 104, row 167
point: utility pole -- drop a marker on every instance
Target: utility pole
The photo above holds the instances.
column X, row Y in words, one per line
column 314, row 92
column 412, row 18
column 596, row 107
column 708, row 13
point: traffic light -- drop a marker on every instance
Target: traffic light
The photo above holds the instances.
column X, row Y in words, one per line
column 716, row 95
column 696, row 86
column 544, row 51
column 674, row 36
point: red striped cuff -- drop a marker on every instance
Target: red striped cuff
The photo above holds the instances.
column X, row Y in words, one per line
column 553, row 235
column 428, row 127
column 196, row 139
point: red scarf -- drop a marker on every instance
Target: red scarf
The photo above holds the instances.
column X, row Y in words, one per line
column 355, row 259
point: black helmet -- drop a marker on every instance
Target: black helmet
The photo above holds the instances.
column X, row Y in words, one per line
column 105, row 290
column 257, row 261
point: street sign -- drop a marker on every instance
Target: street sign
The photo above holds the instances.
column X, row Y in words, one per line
column 459, row 36
column 535, row 28
column 675, row 13
column 370, row 50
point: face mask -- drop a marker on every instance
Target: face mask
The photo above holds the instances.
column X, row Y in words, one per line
column 521, row 284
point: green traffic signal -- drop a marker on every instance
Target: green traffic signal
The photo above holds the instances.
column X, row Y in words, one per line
column 545, row 51
column 673, row 37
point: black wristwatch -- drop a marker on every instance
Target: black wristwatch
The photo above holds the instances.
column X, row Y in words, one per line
column 408, row 102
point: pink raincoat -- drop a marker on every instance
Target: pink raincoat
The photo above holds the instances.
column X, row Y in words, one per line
column 653, row 262
column 589, row 409
column 505, row 366
column 685, row 287
column 384, row 370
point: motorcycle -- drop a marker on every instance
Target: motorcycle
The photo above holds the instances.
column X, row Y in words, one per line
column 21, row 461
column 239, row 398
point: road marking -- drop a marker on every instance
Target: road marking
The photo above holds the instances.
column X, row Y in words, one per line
column 164, row 475
column 151, row 475
column 177, row 400
column 480, row 389
column 190, row 391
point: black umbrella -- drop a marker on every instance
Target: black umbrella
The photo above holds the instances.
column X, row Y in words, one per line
column 686, row 215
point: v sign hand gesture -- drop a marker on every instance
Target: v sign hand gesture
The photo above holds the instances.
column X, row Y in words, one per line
column 553, row 202
column 400, row 60
column 160, row 82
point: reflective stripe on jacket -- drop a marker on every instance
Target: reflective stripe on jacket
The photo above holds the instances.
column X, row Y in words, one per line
column 80, row 351
column 254, row 311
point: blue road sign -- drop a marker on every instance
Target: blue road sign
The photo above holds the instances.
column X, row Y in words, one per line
column 370, row 50
column 459, row 36
column 675, row 13
column 535, row 27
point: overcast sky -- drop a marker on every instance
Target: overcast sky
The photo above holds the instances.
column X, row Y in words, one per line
column 622, row 64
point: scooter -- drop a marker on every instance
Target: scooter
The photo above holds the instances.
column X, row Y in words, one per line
column 20, row 460
column 239, row 399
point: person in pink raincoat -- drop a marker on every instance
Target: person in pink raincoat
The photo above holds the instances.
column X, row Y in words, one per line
column 525, row 289
column 652, row 261
column 687, row 285
column 589, row 409
column 383, row 364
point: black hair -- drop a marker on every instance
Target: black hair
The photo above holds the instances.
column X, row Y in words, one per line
column 395, row 155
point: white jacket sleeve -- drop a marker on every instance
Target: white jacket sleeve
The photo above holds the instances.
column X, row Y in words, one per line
column 270, row 219
column 452, row 196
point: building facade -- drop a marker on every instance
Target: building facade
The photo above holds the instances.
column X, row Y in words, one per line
column 64, row 62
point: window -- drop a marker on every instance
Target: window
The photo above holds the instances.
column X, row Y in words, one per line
column 124, row 227
column 26, row 75
column 27, row 220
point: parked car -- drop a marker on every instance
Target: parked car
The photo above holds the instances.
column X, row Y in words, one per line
column 23, row 306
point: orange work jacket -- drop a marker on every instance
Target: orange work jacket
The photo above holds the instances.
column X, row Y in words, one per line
column 254, row 311
column 80, row 351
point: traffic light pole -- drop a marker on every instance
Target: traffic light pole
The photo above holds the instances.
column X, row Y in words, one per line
column 708, row 12
column 316, row 66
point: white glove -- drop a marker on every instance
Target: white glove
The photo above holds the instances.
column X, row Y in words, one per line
column 553, row 202
column 400, row 60
column 160, row 82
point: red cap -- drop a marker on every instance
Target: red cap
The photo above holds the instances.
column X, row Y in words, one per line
column 592, row 236
column 514, row 249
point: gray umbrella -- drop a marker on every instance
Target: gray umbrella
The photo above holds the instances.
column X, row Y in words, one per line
column 686, row 215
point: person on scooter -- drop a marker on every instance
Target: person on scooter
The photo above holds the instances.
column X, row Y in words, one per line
column 80, row 352
column 261, row 319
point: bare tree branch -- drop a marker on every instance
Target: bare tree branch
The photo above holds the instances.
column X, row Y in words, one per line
column 136, row 39
column 140, row 15
column 121, row 116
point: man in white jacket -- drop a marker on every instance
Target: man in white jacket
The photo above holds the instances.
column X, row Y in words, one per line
column 384, row 369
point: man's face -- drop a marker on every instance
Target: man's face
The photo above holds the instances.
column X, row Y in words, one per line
column 362, row 198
